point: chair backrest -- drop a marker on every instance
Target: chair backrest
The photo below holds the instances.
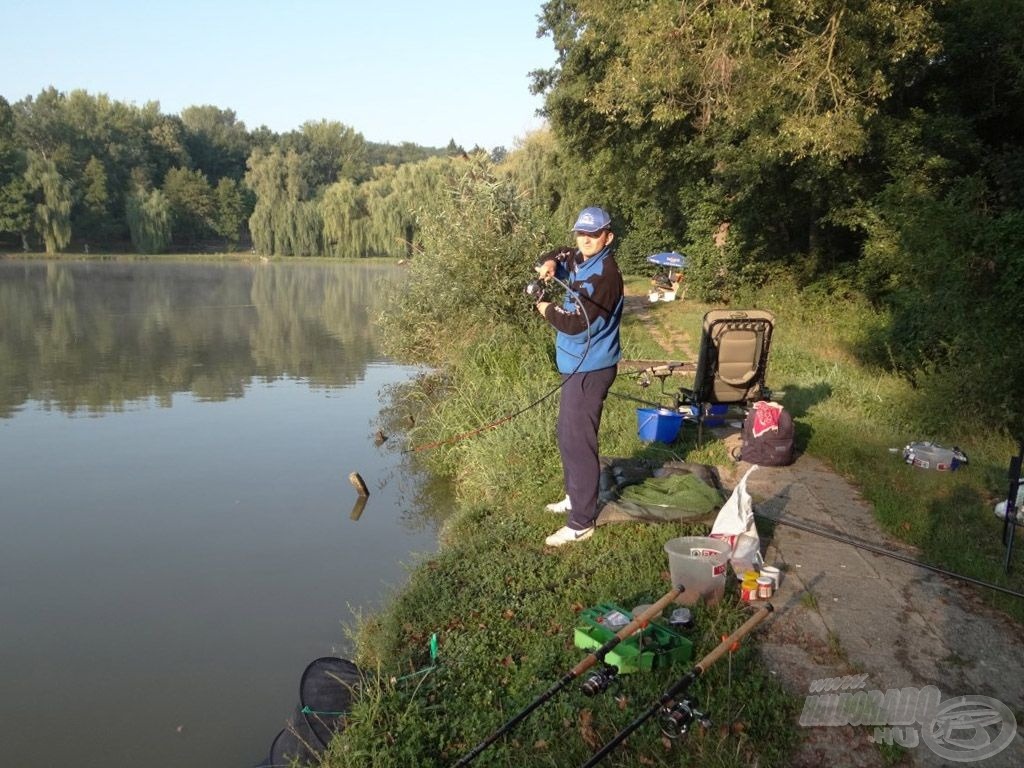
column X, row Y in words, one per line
column 733, row 358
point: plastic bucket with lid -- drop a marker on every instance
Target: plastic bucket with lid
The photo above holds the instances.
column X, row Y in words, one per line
column 659, row 424
column 699, row 563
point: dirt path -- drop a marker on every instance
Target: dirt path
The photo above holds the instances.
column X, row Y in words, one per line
column 674, row 341
column 885, row 625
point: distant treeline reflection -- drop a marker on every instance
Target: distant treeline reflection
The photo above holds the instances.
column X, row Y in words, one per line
column 98, row 335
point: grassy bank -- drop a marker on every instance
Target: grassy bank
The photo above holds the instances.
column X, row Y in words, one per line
column 502, row 607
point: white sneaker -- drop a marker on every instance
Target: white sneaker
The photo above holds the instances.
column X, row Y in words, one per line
column 567, row 535
column 560, row 507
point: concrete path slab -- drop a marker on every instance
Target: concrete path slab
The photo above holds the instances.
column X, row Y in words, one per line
column 844, row 611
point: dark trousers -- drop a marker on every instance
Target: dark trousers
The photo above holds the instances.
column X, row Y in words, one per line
column 579, row 419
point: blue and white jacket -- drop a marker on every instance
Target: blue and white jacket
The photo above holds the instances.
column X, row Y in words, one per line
column 597, row 283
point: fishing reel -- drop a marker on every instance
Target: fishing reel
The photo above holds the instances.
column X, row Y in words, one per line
column 536, row 290
column 675, row 719
column 599, row 681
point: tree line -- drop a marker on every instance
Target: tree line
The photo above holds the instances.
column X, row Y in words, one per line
column 78, row 169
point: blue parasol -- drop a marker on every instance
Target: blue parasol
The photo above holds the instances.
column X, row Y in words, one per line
column 668, row 259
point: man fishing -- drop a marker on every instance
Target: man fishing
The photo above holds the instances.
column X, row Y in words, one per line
column 587, row 352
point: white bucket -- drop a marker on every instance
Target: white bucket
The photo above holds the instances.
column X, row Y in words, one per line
column 699, row 563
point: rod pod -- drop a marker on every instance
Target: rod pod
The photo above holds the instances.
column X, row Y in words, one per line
column 638, row 622
column 681, row 685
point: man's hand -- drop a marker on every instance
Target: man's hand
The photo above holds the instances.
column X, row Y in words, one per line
column 542, row 307
column 547, row 262
column 546, row 269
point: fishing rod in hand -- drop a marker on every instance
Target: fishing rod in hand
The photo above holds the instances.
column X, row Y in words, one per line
column 538, row 297
column 638, row 623
column 675, row 709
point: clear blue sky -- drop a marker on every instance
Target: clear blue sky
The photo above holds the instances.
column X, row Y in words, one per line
column 394, row 70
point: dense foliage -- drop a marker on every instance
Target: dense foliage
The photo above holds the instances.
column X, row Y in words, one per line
column 79, row 170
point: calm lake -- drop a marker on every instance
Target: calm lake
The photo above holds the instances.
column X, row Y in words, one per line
column 179, row 534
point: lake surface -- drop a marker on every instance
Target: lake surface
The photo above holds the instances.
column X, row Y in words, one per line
column 178, row 533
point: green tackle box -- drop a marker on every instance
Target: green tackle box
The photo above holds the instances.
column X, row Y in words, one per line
column 654, row 647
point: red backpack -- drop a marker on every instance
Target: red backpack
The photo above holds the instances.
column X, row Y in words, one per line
column 768, row 436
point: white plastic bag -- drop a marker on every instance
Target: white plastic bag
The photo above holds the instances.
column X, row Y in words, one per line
column 735, row 525
column 1000, row 509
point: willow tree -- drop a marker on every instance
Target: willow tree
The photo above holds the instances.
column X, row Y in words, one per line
column 381, row 216
column 546, row 175
column 149, row 220
column 285, row 220
column 425, row 186
column 52, row 213
column 348, row 229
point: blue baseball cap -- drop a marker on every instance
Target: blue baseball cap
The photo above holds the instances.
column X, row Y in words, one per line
column 592, row 219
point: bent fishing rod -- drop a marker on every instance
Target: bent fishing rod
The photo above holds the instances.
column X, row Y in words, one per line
column 638, row 623
column 538, row 296
column 675, row 708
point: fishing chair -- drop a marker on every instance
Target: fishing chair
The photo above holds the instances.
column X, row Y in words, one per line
column 731, row 365
column 730, row 368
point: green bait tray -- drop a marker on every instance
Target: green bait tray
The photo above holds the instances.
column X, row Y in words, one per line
column 654, row 647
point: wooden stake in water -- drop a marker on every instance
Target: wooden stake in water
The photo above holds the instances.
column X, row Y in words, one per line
column 360, row 486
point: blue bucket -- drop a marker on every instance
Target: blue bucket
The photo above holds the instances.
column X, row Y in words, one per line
column 659, row 424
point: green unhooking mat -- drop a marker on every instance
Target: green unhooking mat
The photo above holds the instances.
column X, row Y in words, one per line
column 670, row 492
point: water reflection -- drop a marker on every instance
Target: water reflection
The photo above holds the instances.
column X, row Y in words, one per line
column 179, row 538
column 95, row 335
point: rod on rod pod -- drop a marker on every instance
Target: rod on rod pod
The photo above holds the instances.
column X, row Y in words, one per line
column 638, row 623
column 680, row 687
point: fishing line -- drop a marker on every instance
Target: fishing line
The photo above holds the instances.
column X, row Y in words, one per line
column 578, row 300
column 887, row 553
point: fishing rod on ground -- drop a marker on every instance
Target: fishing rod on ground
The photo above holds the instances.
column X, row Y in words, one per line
column 536, row 291
column 886, row 553
column 638, row 623
column 677, row 710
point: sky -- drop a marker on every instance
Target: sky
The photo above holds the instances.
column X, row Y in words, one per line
column 393, row 70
